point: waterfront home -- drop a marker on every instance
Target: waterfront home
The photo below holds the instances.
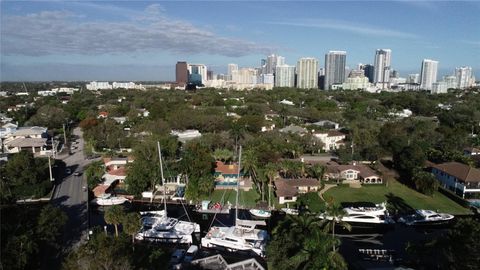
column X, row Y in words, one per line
column 458, row 177
column 226, row 177
column 352, row 173
column 288, row 190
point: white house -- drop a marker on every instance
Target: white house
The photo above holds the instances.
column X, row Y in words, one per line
column 26, row 138
column 186, row 135
column 360, row 173
column 331, row 139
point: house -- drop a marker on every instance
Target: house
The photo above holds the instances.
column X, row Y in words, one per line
column 294, row 129
column 331, row 139
column 458, row 177
column 32, row 139
column 327, row 124
column 7, row 130
column 102, row 115
column 286, row 102
column 120, row 120
column 186, row 135
column 288, row 190
column 226, row 177
column 360, row 173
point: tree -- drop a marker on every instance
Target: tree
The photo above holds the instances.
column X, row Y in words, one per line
column 407, row 160
column 425, row 182
column 115, row 215
column 49, row 116
column 131, row 224
column 336, row 213
column 223, row 154
column 50, row 224
column 94, row 173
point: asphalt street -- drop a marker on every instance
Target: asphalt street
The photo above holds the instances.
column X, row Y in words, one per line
column 70, row 194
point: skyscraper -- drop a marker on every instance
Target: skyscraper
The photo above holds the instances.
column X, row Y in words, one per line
column 382, row 67
column 272, row 61
column 428, row 74
column 335, row 68
column 231, row 68
column 181, row 72
column 307, row 76
column 197, row 71
column 284, row 76
column 369, row 72
column 464, row 77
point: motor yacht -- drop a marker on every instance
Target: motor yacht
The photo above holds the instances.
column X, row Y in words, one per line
column 425, row 217
column 365, row 216
column 259, row 213
column 108, row 199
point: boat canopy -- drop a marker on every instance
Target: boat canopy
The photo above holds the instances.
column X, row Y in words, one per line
column 250, row 224
column 205, row 204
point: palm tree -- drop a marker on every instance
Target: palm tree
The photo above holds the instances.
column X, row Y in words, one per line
column 270, row 172
column 132, row 224
column 250, row 165
column 115, row 215
column 336, row 213
column 316, row 171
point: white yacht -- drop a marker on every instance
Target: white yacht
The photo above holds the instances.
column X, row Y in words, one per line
column 158, row 227
column 365, row 216
column 259, row 213
column 108, row 199
column 426, row 217
column 290, row 211
column 242, row 236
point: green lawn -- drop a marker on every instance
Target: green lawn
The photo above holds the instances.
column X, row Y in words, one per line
column 245, row 198
column 399, row 197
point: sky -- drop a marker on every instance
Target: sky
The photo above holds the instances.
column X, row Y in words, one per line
column 142, row 40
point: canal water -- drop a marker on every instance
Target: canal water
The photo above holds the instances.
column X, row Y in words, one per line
column 394, row 238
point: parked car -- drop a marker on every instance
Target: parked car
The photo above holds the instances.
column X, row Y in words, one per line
column 191, row 252
column 177, row 258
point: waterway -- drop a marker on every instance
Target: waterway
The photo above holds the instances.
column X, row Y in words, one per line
column 395, row 238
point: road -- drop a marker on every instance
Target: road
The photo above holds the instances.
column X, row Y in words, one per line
column 70, row 196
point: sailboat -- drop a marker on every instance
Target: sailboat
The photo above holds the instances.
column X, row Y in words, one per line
column 158, row 227
column 243, row 236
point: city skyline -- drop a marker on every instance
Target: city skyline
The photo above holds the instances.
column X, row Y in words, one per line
column 144, row 40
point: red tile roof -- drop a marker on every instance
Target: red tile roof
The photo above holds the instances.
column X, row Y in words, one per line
column 118, row 172
column 226, row 168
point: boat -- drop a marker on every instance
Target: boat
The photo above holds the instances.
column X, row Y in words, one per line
column 207, row 208
column 365, row 216
column 157, row 226
column 259, row 213
column 290, row 211
column 108, row 199
column 425, row 217
column 242, row 236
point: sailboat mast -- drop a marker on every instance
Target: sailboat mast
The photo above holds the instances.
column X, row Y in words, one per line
column 238, row 182
column 163, row 179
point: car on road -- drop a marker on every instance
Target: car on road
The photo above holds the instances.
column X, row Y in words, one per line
column 77, row 173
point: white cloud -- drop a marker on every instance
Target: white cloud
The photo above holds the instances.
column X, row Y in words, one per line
column 346, row 26
column 63, row 32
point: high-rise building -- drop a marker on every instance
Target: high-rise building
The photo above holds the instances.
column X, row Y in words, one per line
column 284, row 76
column 464, row 77
column 307, row 73
column 231, row 68
column 209, row 75
column 451, row 81
column 369, row 72
column 245, row 76
column 335, row 68
column 428, row 75
column 271, row 62
column 181, row 72
column 382, row 67
column 198, row 72
column 413, row 78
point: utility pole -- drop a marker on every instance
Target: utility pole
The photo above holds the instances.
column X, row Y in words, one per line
column 64, row 136
column 50, row 168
